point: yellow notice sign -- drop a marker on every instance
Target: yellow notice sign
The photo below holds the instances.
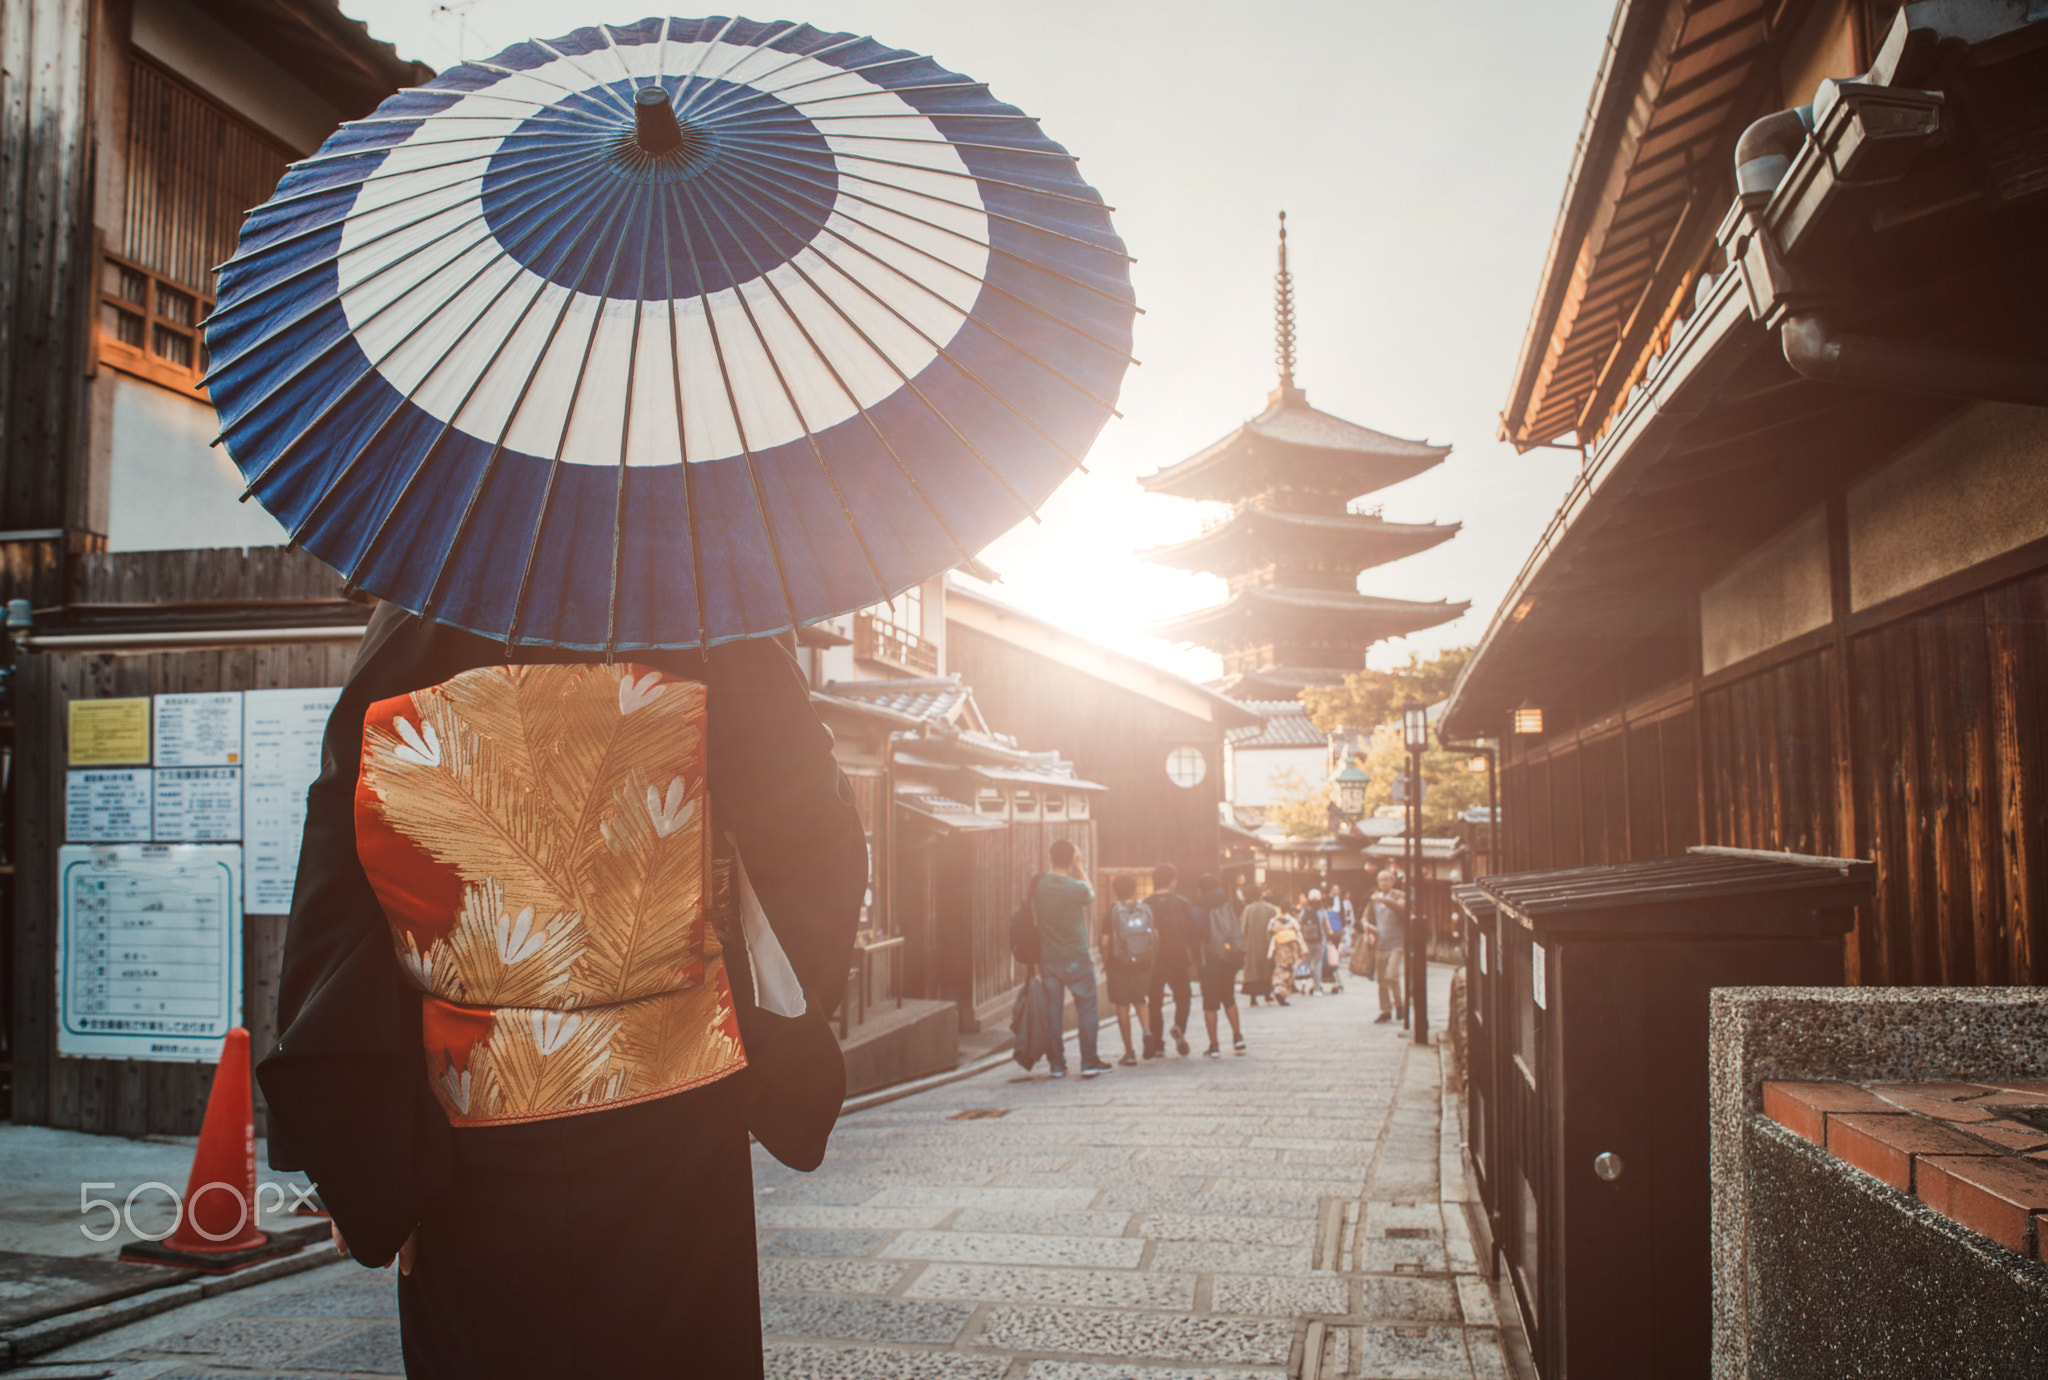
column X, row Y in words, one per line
column 109, row 733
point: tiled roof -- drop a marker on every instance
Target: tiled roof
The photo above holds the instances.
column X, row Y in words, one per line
column 930, row 698
column 1286, row 725
column 1253, row 537
column 1298, row 424
column 1396, row 846
column 1276, row 682
column 1366, row 459
column 1039, row 769
column 1366, row 617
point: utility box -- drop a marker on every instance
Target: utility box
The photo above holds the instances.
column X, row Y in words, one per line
column 1594, row 1124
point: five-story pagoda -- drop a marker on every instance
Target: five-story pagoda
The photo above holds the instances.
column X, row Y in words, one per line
column 1292, row 548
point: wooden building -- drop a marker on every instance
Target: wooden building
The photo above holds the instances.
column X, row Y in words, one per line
column 1294, row 542
column 1154, row 741
column 1797, row 597
column 973, row 816
column 133, row 136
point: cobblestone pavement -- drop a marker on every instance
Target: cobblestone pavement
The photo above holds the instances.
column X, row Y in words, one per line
column 1278, row 1214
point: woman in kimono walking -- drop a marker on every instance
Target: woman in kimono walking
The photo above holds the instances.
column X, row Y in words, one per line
column 1284, row 951
column 564, row 935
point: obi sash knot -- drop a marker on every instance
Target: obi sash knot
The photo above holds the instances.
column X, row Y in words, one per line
column 540, row 839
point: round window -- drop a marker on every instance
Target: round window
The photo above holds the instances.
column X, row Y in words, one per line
column 1186, row 766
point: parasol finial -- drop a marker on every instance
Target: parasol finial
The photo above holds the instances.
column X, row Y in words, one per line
column 1283, row 326
column 655, row 128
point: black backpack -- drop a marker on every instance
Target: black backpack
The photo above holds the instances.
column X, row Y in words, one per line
column 1024, row 946
column 1137, row 943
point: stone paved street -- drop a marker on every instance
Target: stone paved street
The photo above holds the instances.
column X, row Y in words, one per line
column 1277, row 1214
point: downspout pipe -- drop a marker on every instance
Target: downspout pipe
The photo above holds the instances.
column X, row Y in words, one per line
column 1815, row 349
column 1492, row 756
column 1764, row 153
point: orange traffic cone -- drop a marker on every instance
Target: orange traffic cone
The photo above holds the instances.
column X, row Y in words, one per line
column 217, row 1230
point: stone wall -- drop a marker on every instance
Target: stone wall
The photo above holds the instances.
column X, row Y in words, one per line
column 1797, row 1234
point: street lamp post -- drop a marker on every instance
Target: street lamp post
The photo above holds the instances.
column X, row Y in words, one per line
column 1415, row 737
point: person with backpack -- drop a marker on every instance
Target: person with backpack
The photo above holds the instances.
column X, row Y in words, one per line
column 1308, row 926
column 1219, row 952
column 1129, row 945
column 1060, row 899
column 1171, row 921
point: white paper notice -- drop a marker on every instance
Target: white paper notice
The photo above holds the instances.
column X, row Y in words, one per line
column 149, row 950
column 198, row 804
column 199, row 730
column 108, row 805
column 281, row 738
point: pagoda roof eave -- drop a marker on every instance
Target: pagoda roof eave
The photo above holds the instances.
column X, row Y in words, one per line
column 1294, row 433
column 1366, row 617
column 1283, row 682
column 1357, row 534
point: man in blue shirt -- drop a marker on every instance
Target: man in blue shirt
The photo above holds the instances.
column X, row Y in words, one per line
column 1061, row 902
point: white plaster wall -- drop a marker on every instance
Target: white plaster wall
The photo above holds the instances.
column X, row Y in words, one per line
column 1973, row 488
column 1252, row 771
column 1771, row 595
column 231, row 72
column 168, row 489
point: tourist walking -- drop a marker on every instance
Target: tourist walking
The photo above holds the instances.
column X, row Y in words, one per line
column 1259, row 914
column 1308, row 924
column 1061, row 900
column 1388, row 922
column 1283, row 949
column 1219, row 952
column 1129, row 947
column 1332, row 937
column 1171, row 921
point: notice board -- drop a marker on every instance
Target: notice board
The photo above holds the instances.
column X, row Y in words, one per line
column 281, row 737
column 109, row 805
column 109, row 733
column 149, row 950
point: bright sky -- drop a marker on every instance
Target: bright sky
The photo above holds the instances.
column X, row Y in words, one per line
column 1419, row 150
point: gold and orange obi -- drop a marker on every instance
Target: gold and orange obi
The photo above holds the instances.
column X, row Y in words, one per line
column 540, row 839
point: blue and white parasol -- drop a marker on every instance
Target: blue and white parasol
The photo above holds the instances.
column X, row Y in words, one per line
column 667, row 335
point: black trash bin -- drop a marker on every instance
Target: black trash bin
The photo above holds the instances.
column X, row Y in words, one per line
column 1592, row 1142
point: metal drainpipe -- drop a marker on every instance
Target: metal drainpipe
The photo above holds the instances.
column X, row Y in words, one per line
column 1492, row 756
column 885, row 821
column 1418, row 954
column 1819, row 352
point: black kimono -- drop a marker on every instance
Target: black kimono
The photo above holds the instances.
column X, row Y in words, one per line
column 615, row 1242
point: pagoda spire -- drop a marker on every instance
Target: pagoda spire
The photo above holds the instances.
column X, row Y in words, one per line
column 1283, row 326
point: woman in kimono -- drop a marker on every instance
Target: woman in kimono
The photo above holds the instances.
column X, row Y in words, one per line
column 1285, row 951
column 564, row 935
